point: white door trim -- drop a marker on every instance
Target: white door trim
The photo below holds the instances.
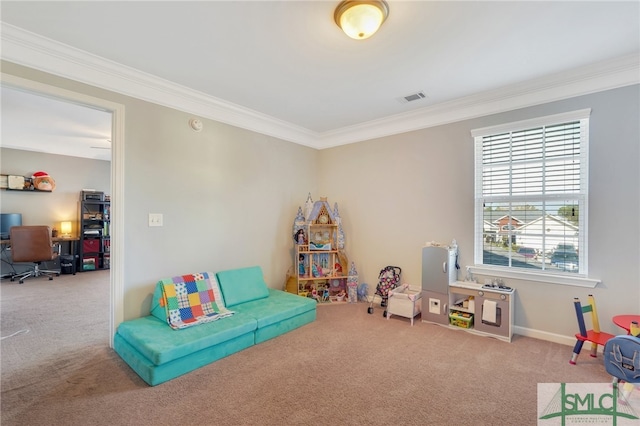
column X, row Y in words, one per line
column 117, row 182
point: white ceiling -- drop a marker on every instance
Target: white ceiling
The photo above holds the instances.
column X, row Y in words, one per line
column 37, row 123
column 285, row 69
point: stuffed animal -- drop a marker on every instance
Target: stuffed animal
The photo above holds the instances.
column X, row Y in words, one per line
column 43, row 182
column 363, row 292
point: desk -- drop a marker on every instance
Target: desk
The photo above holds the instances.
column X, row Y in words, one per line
column 70, row 240
column 73, row 250
column 54, row 239
column 72, row 243
column 624, row 321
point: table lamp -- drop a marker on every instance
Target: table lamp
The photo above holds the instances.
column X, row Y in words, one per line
column 65, row 229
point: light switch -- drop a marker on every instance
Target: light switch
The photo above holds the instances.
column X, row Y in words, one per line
column 155, row 219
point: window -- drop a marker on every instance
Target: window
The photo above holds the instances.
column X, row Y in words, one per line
column 531, row 188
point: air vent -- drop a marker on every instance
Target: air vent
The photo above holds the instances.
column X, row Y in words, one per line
column 412, row 97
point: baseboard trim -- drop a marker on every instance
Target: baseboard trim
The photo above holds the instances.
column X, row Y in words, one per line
column 543, row 335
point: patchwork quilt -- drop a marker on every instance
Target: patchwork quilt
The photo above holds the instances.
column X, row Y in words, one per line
column 192, row 299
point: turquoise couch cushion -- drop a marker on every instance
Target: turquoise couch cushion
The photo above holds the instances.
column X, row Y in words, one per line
column 285, row 326
column 157, row 310
column 242, row 285
column 156, row 374
column 279, row 306
column 160, row 344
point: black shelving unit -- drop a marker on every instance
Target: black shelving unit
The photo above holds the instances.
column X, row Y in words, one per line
column 94, row 228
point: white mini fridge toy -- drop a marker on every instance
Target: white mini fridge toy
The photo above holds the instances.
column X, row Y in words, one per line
column 405, row 301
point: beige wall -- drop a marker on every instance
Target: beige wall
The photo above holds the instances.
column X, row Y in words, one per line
column 229, row 197
column 71, row 174
column 404, row 190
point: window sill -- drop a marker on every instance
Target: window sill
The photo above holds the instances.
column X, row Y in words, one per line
column 572, row 280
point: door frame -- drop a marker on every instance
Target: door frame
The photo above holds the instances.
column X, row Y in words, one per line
column 117, row 267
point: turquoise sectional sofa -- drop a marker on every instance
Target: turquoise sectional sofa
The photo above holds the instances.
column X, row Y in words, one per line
column 158, row 353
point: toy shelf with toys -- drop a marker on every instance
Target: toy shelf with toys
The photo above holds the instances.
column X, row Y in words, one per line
column 320, row 275
column 321, row 271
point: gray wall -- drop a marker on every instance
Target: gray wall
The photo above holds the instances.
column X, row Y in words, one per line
column 229, row 197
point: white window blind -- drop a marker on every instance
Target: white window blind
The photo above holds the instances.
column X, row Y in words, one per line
column 531, row 194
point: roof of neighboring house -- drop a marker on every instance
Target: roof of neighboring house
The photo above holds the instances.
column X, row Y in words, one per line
column 557, row 219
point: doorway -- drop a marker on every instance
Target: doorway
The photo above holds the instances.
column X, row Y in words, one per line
column 116, row 279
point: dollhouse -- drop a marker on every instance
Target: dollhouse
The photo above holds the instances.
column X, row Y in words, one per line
column 319, row 252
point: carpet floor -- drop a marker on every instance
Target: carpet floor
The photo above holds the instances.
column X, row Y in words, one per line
column 346, row 368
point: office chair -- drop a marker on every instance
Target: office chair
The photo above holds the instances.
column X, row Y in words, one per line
column 32, row 244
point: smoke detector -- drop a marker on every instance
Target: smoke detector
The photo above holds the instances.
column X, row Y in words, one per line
column 195, row 124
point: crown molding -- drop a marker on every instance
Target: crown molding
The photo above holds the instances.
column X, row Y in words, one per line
column 624, row 71
column 32, row 50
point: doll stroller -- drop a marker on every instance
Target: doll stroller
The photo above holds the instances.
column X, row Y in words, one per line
column 389, row 279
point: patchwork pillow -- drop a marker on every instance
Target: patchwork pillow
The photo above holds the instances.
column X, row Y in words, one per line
column 191, row 299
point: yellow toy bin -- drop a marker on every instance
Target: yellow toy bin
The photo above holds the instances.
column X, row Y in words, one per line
column 461, row 319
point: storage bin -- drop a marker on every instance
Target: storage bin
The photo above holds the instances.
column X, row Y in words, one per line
column 91, row 246
column 461, row 319
column 89, row 263
column 67, row 264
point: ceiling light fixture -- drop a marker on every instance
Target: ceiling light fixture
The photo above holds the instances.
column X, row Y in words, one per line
column 361, row 19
